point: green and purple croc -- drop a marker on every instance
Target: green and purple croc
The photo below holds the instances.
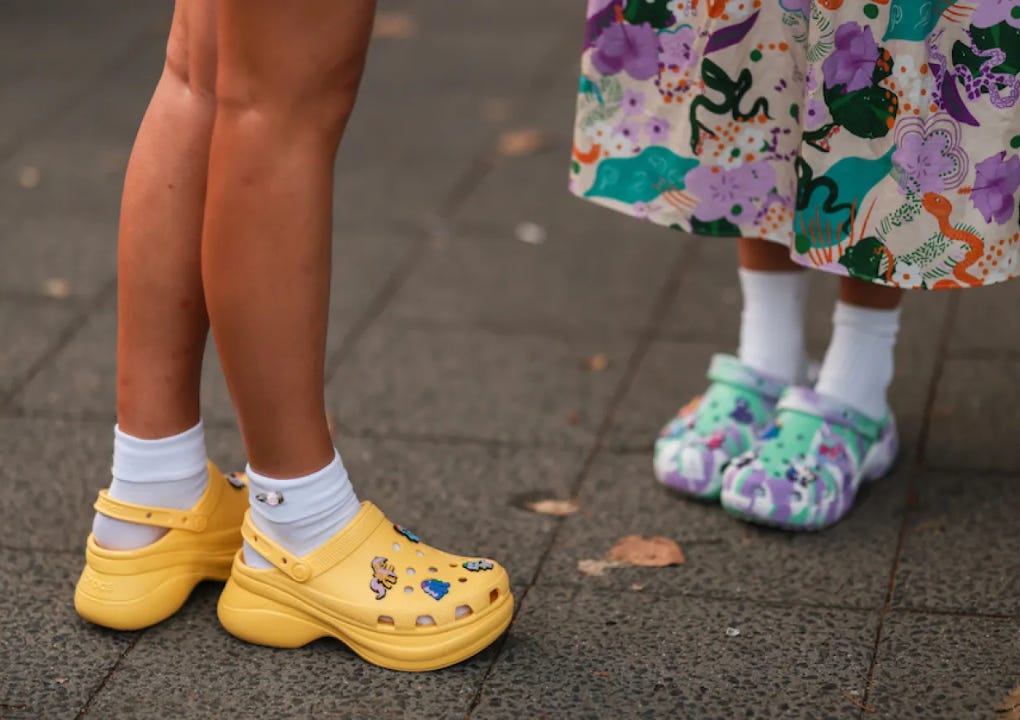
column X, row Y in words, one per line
column 694, row 448
column 805, row 471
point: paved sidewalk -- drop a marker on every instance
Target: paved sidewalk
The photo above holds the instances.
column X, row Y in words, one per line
column 460, row 381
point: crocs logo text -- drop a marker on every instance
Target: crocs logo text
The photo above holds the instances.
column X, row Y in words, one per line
column 94, row 583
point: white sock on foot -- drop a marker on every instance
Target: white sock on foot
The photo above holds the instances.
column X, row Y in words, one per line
column 858, row 365
column 303, row 513
column 169, row 472
column 772, row 323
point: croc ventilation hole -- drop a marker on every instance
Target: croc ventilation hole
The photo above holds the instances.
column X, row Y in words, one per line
column 461, row 579
column 408, row 589
column 424, row 620
column 493, row 595
column 433, row 570
column 463, row 611
column 410, row 571
column 396, row 547
column 420, row 553
column 386, row 620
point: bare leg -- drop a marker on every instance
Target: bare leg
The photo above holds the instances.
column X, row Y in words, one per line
column 162, row 323
column 869, row 295
column 287, row 78
column 765, row 256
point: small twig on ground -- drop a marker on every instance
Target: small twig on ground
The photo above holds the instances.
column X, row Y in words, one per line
column 858, row 703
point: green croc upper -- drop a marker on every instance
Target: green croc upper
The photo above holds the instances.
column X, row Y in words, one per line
column 693, row 449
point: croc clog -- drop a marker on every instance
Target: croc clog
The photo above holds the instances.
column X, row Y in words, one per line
column 693, row 449
column 806, row 469
column 374, row 586
column 132, row 589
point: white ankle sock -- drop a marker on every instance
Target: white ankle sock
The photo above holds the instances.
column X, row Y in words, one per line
column 303, row 513
column 858, row 365
column 169, row 472
column 772, row 323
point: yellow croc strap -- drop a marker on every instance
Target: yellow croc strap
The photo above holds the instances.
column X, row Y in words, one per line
column 145, row 515
column 321, row 559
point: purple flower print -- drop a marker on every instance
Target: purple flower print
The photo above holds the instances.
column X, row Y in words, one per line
column 995, row 184
column 730, row 194
column 677, row 48
column 993, row 12
column 633, row 102
column 928, row 155
column 629, row 129
column 657, row 130
column 923, row 161
column 630, row 48
column 815, row 114
column 796, row 6
column 852, row 63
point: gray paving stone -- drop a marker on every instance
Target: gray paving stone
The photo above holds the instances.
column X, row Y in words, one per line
column 51, row 472
column 570, row 284
column 671, row 374
column 52, row 660
column 944, row 667
column 48, row 64
column 196, row 670
column 476, row 384
column 81, row 379
column 975, row 416
column 614, row 655
column 847, row 565
column 27, row 331
column 961, row 549
column 987, row 321
column 66, row 227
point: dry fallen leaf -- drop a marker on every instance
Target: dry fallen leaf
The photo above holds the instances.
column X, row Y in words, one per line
column 518, row 143
column 732, row 632
column 1009, row 709
column 597, row 362
column 394, row 26
column 596, row 568
column 29, row 176
column 655, row 551
column 552, row 506
column 57, row 288
column 530, row 233
column 636, row 587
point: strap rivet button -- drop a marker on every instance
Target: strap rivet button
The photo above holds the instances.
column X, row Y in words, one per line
column 301, row 572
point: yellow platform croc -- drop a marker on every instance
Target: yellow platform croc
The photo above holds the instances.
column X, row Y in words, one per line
column 132, row 589
column 377, row 588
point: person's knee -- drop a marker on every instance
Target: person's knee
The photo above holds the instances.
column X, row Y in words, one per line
column 191, row 62
column 300, row 97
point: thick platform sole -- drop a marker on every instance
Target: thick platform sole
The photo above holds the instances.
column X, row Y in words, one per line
column 133, row 602
column 269, row 621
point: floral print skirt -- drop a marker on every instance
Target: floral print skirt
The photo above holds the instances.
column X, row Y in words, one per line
column 876, row 138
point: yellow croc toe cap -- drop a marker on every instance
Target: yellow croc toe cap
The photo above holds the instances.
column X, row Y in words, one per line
column 392, row 599
column 132, row 589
